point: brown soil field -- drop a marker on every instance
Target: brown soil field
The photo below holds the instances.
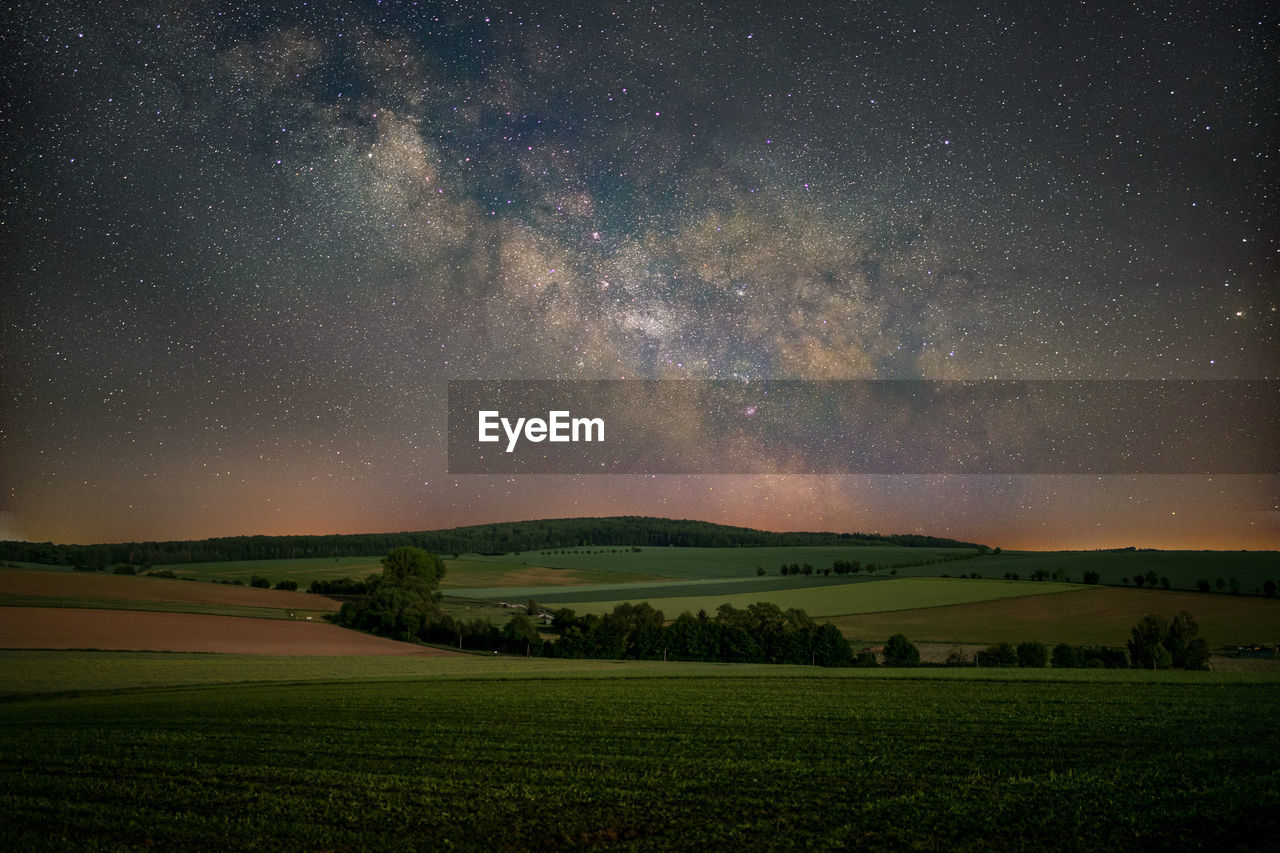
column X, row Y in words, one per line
column 1103, row 617
column 124, row 587
column 135, row 630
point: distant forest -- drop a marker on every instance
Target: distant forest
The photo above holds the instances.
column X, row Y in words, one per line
column 477, row 539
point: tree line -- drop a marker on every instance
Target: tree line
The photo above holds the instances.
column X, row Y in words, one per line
column 620, row 531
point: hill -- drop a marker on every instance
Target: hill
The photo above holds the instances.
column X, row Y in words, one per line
column 500, row 538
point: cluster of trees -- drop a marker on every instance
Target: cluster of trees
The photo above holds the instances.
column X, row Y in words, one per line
column 341, row 586
column 403, row 598
column 1160, row 643
column 839, row 567
column 1066, row 656
column 621, row 531
column 1151, row 579
column 760, row 633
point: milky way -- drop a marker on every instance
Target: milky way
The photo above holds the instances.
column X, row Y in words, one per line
column 246, row 250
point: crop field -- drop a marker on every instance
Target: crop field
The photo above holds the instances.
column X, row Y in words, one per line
column 303, row 570
column 638, row 590
column 479, row 574
column 7, row 600
column 660, row 762
column 468, row 572
column 84, row 628
column 1183, row 568
column 1101, row 616
column 16, row 584
column 845, row 598
column 730, row 562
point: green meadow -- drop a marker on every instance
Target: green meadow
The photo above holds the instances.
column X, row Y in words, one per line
column 840, row 599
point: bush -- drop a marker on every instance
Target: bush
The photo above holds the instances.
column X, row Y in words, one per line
column 865, row 659
column 1066, row 656
column 259, row 582
column 1001, row 654
column 288, row 586
column 899, row 651
column 1092, row 577
column 124, row 569
column 1032, row 654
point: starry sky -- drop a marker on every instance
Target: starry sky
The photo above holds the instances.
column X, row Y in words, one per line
column 245, row 249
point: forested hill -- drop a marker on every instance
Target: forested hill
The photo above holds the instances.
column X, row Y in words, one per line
column 480, row 538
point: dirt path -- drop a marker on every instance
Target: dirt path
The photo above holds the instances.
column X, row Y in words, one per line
column 135, row 630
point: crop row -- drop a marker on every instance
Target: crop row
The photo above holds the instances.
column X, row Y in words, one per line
column 658, row 762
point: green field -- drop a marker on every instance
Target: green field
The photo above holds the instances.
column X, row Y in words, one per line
column 1183, row 568
column 28, row 673
column 823, row 602
column 701, row 563
column 726, row 762
column 1100, row 616
column 762, row 587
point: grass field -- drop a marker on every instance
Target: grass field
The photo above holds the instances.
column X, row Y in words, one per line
column 697, row 563
column 841, row 599
column 1100, row 616
column 728, row 762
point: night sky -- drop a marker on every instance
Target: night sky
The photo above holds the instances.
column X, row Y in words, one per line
column 244, row 251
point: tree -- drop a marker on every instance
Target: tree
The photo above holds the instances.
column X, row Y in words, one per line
column 1001, row 654
column 1066, row 656
column 520, row 635
column 259, row 582
column 412, row 569
column 1092, row 577
column 1159, row 643
column 899, row 651
column 1235, row 585
column 760, row 570
column 830, row 648
column 1148, row 641
column 1185, row 648
column 1269, row 588
column 287, row 585
column 1032, row 654
column 1202, row 585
